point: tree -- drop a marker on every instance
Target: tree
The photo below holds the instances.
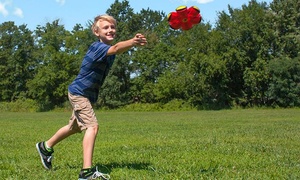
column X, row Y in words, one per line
column 257, row 80
column 246, row 45
column 286, row 23
column 76, row 46
column 17, row 62
column 52, row 75
column 115, row 89
column 155, row 59
column 250, row 58
column 197, row 73
column 119, row 80
column 284, row 87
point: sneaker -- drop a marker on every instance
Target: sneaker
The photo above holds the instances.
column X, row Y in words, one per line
column 45, row 155
column 92, row 173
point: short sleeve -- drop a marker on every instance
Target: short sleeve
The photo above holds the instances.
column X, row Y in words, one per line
column 98, row 51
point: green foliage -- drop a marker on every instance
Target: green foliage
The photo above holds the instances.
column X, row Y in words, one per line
column 177, row 105
column 245, row 44
column 286, row 21
column 142, row 107
column 173, row 105
column 20, row 105
column 256, row 83
column 235, row 63
column 49, row 85
column 59, row 53
column 16, row 60
column 116, row 88
column 284, row 87
column 226, row 144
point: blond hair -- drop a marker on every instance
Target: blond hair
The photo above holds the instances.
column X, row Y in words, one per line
column 103, row 17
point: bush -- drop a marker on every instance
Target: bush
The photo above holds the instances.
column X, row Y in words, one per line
column 20, row 105
column 142, row 107
column 174, row 105
column 177, row 105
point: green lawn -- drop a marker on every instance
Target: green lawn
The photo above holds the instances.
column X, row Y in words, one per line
column 226, row 144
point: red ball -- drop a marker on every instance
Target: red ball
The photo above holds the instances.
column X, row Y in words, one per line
column 184, row 17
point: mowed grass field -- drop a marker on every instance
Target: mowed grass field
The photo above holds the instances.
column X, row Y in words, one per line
column 226, row 144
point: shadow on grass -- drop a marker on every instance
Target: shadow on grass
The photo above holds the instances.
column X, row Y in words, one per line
column 107, row 168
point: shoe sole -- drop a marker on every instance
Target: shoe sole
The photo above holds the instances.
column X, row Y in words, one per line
column 38, row 149
column 88, row 179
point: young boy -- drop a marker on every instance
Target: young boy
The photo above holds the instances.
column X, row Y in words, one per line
column 83, row 91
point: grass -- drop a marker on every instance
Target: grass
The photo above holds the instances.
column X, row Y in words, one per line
column 226, row 144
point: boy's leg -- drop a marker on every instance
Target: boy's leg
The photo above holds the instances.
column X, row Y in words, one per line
column 45, row 149
column 88, row 146
column 87, row 172
column 86, row 120
column 61, row 134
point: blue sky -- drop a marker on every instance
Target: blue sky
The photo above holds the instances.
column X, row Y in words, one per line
column 71, row 12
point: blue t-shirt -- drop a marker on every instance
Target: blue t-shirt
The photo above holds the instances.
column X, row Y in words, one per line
column 94, row 69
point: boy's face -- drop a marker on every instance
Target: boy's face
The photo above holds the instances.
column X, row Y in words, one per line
column 106, row 31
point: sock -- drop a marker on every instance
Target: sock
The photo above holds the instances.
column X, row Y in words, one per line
column 49, row 149
column 85, row 170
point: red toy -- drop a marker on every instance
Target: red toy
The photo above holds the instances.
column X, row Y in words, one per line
column 184, row 18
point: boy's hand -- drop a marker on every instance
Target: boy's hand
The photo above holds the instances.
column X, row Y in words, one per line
column 139, row 40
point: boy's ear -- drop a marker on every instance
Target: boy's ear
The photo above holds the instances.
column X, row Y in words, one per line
column 95, row 31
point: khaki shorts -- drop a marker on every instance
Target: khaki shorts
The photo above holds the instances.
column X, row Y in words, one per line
column 83, row 115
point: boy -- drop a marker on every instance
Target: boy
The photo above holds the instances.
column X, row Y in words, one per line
column 83, row 91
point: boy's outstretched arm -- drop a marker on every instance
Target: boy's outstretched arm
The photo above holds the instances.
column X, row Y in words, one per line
column 120, row 47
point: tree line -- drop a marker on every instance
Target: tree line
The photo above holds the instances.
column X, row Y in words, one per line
column 250, row 57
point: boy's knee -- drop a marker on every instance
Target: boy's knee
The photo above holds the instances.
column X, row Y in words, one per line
column 95, row 129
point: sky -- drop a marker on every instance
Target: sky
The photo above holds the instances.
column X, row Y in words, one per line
column 71, row 12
